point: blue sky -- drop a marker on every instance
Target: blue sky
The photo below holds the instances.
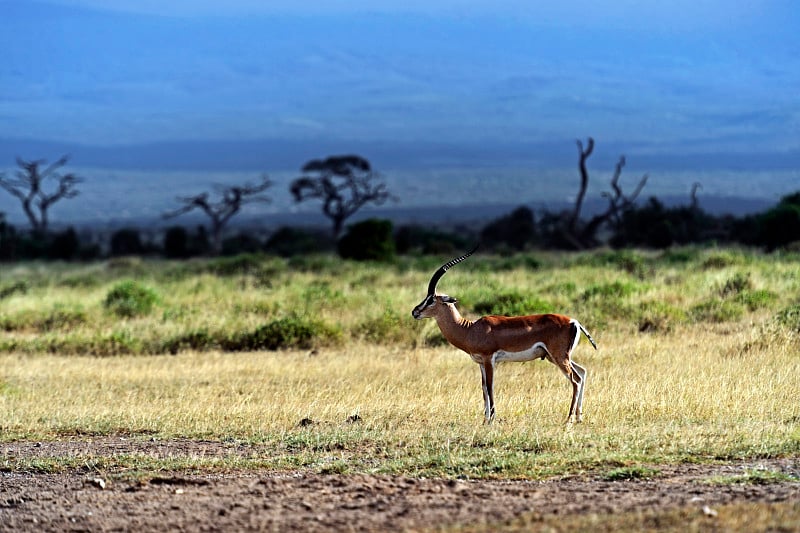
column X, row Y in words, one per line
column 714, row 79
column 703, row 75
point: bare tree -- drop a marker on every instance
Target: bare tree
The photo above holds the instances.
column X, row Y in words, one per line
column 585, row 235
column 231, row 200
column 343, row 183
column 584, row 155
column 27, row 185
column 695, row 205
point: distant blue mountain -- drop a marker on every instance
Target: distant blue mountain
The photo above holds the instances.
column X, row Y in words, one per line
column 279, row 154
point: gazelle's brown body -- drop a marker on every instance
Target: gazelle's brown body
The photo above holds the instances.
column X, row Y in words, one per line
column 494, row 339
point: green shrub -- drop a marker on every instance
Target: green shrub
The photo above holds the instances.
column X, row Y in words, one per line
column 740, row 289
column 659, row 316
column 780, row 225
column 428, row 240
column 513, row 231
column 739, row 283
column 130, row 265
column 386, row 327
column 564, row 288
column 512, row 303
column 176, row 242
column 294, row 331
column 717, row 310
column 790, row 317
column 320, row 294
column 615, row 289
column 114, row 343
column 679, row 256
column 240, row 244
column 10, row 289
column 64, row 245
column 603, row 301
column 130, row 299
column 80, row 281
column 199, row 340
column 492, row 263
column 119, row 343
column 757, row 299
column 54, row 319
column 370, row 240
column 289, row 242
column 236, row 265
column 435, row 339
column 62, row 318
column 316, row 263
column 625, row 260
column 721, row 260
column 125, row 242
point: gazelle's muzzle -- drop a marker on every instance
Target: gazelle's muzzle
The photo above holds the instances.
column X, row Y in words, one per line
column 424, row 304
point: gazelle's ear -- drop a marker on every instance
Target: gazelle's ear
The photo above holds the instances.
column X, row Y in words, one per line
column 448, row 299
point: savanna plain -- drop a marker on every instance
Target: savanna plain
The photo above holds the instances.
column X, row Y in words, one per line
column 263, row 393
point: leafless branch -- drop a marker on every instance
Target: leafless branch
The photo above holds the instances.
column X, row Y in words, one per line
column 231, row 200
column 27, row 185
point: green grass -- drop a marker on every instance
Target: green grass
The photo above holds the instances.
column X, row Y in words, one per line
column 628, row 473
column 697, row 361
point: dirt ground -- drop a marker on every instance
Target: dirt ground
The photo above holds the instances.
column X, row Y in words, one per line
column 265, row 501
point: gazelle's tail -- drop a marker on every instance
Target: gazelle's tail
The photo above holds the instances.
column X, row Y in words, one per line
column 583, row 329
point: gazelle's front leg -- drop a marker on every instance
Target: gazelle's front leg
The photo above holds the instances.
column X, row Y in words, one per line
column 487, row 380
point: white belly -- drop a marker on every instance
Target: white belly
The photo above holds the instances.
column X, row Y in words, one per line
column 537, row 351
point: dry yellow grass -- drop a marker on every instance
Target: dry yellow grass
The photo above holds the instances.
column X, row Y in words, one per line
column 688, row 396
column 713, row 376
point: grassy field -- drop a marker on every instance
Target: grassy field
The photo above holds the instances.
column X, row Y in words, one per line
column 319, row 362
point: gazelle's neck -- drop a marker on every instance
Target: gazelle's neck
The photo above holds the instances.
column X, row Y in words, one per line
column 453, row 326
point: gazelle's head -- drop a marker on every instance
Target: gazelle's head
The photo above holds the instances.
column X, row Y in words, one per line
column 428, row 307
column 433, row 302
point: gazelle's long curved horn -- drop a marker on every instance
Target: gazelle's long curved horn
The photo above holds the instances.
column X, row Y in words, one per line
column 442, row 269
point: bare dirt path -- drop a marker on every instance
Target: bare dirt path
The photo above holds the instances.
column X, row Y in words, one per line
column 265, row 501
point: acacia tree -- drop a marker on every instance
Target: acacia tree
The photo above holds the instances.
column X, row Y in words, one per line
column 28, row 185
column 231, row 200
column 344, row 184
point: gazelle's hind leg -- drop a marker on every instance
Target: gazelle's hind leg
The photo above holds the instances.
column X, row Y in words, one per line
column 575, row 374
column 565, row 365
column 580, row 372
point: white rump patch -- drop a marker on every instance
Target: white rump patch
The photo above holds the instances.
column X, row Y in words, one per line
column 577, row 338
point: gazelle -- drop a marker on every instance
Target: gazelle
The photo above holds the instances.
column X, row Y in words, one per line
column 495, row 339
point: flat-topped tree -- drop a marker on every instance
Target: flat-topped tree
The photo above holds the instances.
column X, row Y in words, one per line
column 344, row 183
column 28, row 185
column 231, row 199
